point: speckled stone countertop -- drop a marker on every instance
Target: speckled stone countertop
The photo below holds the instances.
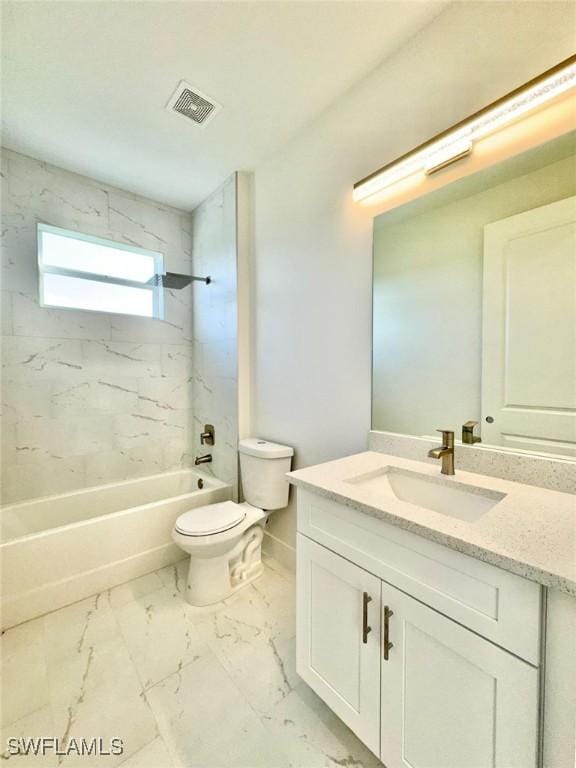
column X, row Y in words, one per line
column 530, row 532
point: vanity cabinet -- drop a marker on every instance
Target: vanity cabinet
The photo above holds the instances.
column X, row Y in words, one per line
column 338, row 618
column 393, row 656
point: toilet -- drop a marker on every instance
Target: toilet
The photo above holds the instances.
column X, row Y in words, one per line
column 224, row 540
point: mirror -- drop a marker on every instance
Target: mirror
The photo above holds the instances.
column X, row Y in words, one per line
column 474, row 307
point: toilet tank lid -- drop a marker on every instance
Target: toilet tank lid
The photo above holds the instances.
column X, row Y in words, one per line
column 263, row 449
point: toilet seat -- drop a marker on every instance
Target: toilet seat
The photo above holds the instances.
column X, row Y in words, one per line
column 210, row 519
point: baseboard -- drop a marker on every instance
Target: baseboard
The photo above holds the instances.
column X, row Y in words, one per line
column 280, row 551
column 49, row 597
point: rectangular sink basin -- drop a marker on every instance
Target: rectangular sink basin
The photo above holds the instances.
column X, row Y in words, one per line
column 449, row 497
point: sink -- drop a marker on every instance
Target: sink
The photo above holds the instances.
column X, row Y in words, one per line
column 449, row 497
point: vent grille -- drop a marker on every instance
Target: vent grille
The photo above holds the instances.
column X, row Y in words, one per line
column 191, row 103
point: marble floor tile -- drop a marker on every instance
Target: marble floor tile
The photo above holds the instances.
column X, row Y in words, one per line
column 36, row 725
column 132, row 590
column 312, row 736
column 106, row 703
column 153, row 755
column 161, row 633
column 71, row 632
column 93, row 687
column 202, row 730
column 262, row 609
column 183, row 687
column 277, row 595
column 16, row 638
column 262, row 665
column 278, row 568
column 174, row 576
column 23, row 676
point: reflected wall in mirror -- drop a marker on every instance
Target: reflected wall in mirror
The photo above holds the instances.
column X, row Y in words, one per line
column 474, row 302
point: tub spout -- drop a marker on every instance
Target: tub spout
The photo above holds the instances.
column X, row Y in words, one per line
column 203, row 459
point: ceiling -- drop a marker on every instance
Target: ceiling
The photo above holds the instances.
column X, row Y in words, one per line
column 84, row 84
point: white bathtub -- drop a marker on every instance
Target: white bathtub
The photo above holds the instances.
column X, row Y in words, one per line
column 60, row 549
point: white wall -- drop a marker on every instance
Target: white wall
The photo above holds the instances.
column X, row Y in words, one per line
column 88, row 398
column 312, row 316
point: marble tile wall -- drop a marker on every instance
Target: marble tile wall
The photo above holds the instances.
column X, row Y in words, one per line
column 214, row 309
column 89, row 398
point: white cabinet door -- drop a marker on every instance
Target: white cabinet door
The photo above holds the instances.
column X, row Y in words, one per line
column 336, row 655
column 451, row 699
column 529, row 330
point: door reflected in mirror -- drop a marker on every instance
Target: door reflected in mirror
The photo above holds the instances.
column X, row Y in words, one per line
column 474, row 307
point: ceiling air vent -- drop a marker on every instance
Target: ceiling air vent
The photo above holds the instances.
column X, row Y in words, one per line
column 191, row 103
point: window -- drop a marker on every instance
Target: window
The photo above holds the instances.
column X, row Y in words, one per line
column 83, row 272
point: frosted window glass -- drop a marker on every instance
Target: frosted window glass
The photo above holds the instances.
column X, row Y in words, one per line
column 80, row 271
column 74, row 292
column 97, row 258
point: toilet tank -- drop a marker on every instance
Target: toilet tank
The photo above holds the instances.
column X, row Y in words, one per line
column 263, row 467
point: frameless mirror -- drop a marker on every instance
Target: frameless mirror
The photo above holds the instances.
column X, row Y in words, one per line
column 474, row 307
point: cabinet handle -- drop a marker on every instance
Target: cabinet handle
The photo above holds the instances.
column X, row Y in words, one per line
column 387, row 643
column 365, row 628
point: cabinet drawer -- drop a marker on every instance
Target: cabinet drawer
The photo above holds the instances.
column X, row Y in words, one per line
column 498, row 605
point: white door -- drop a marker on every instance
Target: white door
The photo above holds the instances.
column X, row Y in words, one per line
column 529, row 330
column 337, row 656
column 451, row 699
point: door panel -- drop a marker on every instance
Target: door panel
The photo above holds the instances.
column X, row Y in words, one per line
column 529, row 330
column 451, row 699
column 332, row 656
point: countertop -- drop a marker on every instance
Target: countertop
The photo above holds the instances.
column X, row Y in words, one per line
column 530, row 532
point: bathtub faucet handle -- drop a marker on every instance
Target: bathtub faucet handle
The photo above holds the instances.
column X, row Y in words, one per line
column 207, row 437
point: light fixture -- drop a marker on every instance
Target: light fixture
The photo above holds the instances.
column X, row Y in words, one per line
column 447, row 155
column 458, row 141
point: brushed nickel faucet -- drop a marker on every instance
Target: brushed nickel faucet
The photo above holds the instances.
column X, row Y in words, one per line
column 202, row 459
column 445, row 452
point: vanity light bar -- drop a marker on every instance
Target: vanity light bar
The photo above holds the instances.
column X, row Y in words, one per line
column 447, row 155
column 458, row 141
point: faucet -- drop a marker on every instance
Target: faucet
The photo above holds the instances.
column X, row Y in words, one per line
column 468, row 435
column 207, row 437
column 202, row 459
column 445, row 452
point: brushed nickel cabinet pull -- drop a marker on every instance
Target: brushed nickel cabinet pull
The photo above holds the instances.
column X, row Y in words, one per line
column 365, row 628
column 387, row 643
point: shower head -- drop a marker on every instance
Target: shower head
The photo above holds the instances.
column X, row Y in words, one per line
column 176, row 282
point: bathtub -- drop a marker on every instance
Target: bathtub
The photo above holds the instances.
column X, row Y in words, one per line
column 60, row 549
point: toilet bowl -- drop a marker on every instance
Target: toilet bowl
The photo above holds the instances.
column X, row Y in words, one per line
column 224, row 540
column 221, row 559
